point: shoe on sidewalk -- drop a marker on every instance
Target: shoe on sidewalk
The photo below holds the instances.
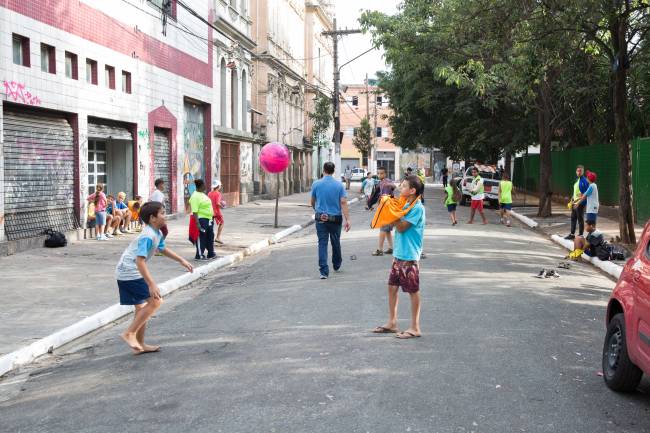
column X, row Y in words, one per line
column 323, row 276
column 389, row 251
column 570, row 237
column 378, row 253
column 108, row 235
column 102, row 238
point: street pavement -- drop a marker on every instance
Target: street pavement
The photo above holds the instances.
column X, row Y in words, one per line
column 268, row 347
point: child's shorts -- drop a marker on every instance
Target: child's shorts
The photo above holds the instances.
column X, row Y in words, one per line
column 477, row 204
column 133, row 292
column 591, row 217
column 100, row 218
column 451, row 207
column 405, row 274
column 387, row 228
column 506, row 206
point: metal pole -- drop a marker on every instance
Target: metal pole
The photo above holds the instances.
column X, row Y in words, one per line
column 335, row 96
column 277, row 200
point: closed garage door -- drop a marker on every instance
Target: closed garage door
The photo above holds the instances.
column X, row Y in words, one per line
column 161, row 158
column 39, row 173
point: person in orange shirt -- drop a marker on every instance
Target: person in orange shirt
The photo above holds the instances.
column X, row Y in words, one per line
column 217, row 204
column 134, row 208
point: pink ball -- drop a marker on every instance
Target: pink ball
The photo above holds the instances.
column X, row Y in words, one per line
column 275, row 157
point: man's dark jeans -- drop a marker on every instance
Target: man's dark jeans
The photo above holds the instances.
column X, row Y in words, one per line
column 578, row 216
column 332, row 232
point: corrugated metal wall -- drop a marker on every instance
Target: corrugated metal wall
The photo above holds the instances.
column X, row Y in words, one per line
column 600, row 158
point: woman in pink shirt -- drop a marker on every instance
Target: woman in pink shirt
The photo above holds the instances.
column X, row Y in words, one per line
column 217, row 204
column 99, row 199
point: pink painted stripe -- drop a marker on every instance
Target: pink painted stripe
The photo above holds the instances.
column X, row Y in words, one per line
column 81, row 20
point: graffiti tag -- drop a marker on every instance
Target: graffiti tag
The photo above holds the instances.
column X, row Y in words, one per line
column 143, row 133
column 18, row 93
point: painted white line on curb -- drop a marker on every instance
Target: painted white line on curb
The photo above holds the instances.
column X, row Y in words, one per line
column 47, row 344
column 524, row 219
column 611, row 268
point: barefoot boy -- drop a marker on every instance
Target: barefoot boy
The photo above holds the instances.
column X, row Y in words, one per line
column 405, row 271
column 136, row 284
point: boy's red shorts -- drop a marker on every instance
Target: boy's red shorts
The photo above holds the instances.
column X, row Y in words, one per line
column 477, row 204
column 405, row 274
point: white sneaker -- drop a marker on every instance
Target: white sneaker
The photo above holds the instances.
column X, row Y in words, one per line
column 127, row 231
column 103, row 238
column 108, row 235
column 99, row 238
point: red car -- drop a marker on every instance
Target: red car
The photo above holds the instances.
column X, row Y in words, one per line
column 626, row 352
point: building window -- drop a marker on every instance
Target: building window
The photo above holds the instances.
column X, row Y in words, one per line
column 234, row 94
column 126, row 82
column 380, row 100
column 379, row 130
column 355, row 101
column 222, row 89
column 166, row 6
column 20, row 50
column 71, row 67
column 96, row 164
column 48, row 59
column 355, row 132
column 109, row 77
column 350, row 132
column 91, row 71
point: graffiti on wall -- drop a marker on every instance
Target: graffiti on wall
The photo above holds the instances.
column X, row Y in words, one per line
column 192, row 165
column 16, row 91
column 246, row 158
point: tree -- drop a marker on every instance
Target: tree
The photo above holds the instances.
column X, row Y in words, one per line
column 362, row 139
column 321, row 118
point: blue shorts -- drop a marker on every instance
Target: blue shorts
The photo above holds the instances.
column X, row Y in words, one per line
column 451, row 207
column 591, row 217
column 506, row 206
column 387, row 228
column 100, row 218
column 133, row 292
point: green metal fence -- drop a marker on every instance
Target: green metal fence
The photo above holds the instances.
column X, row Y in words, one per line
column 641, row 178
column 600, row 158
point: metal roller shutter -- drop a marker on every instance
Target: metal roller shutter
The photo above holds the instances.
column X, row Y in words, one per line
column 161, row 158
column 39, row 173
column 106, row 131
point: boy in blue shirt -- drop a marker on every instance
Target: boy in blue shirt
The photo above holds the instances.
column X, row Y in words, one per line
column 405, row 271
column 137, row 286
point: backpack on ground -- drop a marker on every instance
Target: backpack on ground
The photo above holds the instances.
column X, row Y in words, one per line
column 54, row 239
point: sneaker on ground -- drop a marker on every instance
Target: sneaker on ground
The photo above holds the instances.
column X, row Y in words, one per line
column 389, row 251
column 323, row 276
column 98, row 237
column 570, row 236
column 378, row 253
column 108, row 235
column 103, row 238
column 128, row 231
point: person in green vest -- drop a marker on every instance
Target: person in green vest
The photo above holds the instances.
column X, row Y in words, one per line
column 451, row 201
column 580, row 186
column 505, row 199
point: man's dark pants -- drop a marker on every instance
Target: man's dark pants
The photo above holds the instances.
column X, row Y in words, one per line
column 329, row 231
column 578, row 216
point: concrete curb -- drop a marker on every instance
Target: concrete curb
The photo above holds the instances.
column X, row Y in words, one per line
column 610, row 268
column 524, row 219
column 47, row 344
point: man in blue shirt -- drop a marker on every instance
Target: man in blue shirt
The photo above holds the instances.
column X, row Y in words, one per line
column 329, row 200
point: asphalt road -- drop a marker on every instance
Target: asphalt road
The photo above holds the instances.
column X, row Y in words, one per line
column 268, row 347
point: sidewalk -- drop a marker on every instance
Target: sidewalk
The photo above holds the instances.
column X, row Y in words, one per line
column 44, row 290
column 560, row 222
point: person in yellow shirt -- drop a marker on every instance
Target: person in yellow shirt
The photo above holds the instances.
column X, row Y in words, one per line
column 201, row 207
column 505, row 199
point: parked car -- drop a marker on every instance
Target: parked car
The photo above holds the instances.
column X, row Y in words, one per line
column 491, row 179
column 626, row 351
column 358, row 174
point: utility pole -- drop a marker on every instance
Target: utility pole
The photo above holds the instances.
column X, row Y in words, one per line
column 369, row 154
column 335, row 34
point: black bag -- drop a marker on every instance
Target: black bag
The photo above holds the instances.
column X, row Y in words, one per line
column 374, row 197
column 54, row 239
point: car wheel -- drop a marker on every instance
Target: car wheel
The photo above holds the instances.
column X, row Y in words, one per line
column 619, row 372
column 494, row 204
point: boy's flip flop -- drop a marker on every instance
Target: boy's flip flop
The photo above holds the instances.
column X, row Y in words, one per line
column 384, row 330
column 406, row 335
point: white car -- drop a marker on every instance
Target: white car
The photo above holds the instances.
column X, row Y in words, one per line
column 358, row 174
column 491, row 179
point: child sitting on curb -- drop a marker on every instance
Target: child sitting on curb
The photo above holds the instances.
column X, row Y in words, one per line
column 136, row 285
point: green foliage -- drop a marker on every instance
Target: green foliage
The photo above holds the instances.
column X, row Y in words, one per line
column 322, row 118
column 362, row 138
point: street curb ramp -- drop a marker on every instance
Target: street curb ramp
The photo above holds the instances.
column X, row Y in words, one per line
column 98, row 320
column 610, row 268
column 30, row 353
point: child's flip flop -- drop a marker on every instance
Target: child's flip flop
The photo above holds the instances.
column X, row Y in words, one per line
column 406, row 335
